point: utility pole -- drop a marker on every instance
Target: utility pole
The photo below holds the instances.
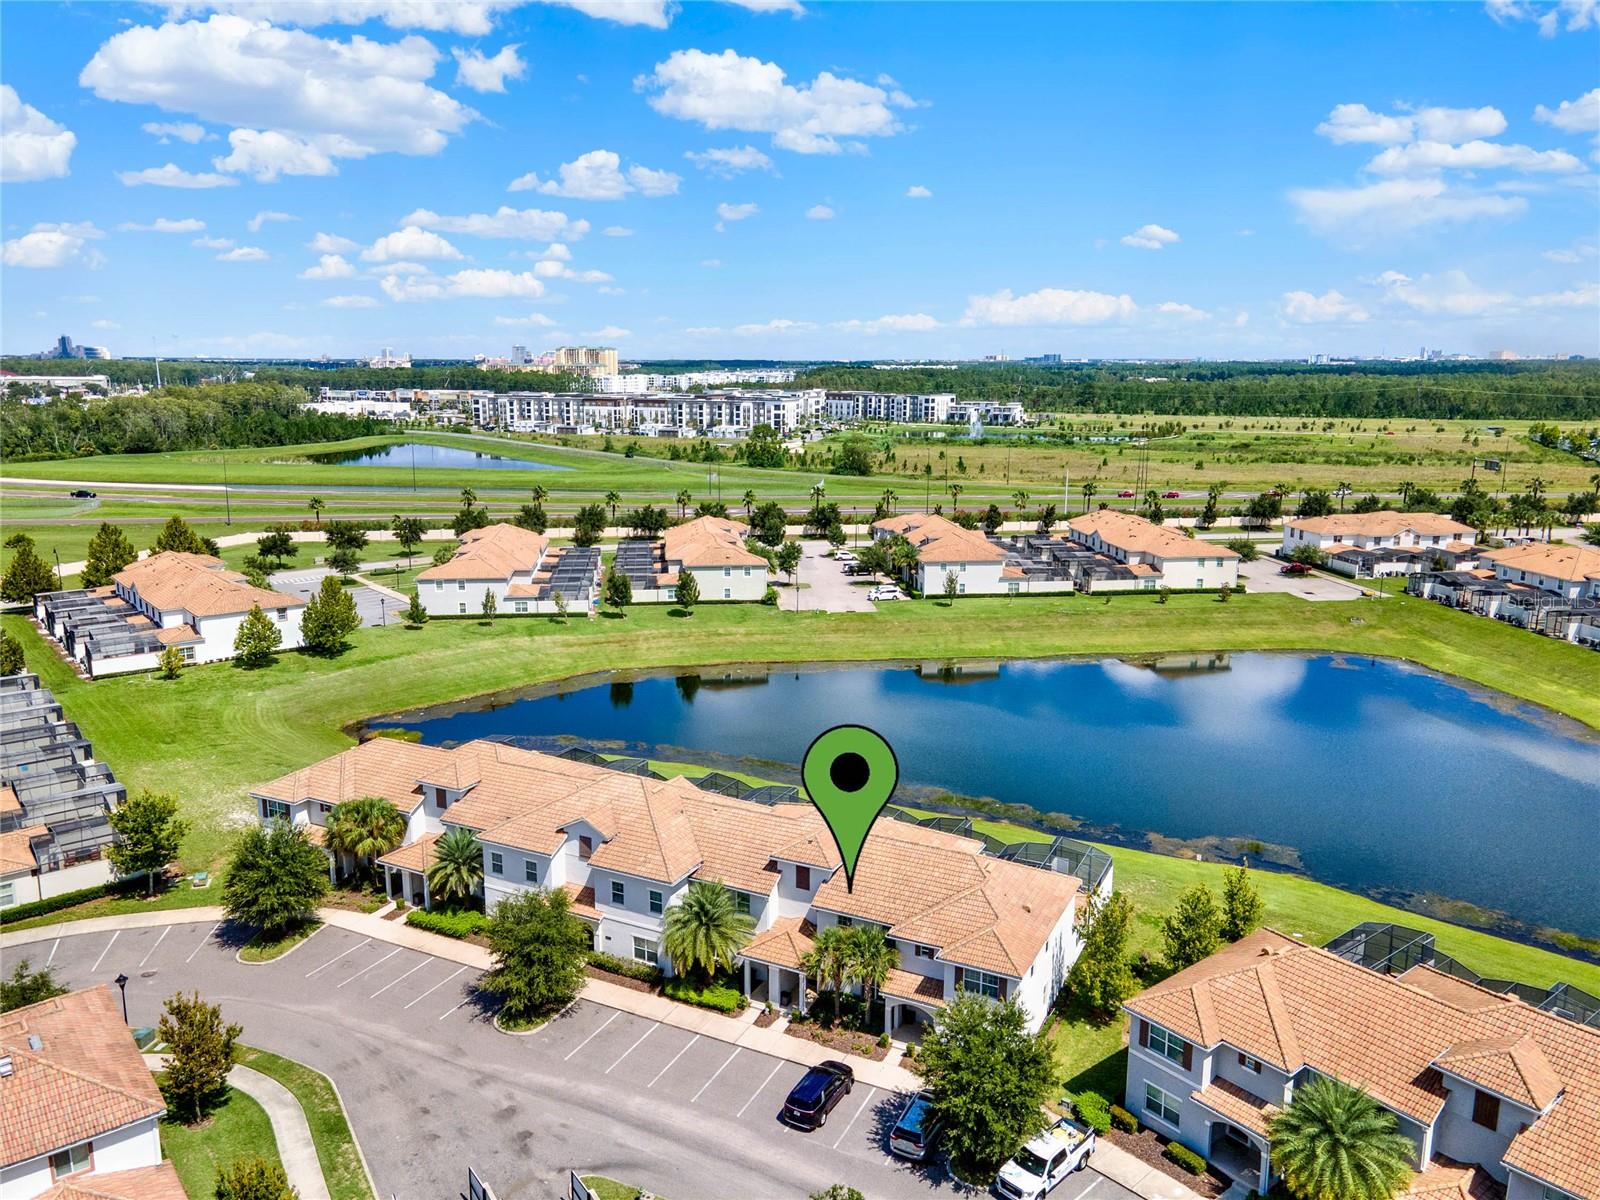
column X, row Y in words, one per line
column 227, row 500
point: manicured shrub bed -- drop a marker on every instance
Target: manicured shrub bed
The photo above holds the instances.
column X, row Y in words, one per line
column 718, row 996
column 460, row 924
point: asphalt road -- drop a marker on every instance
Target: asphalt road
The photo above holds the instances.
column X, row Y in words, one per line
column 432, row 1087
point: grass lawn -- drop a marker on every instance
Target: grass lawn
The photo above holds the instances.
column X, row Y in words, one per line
column 330, row 1129
column 257, row 950
column 178, row 896
column 610, row 1189
column 237, row 1128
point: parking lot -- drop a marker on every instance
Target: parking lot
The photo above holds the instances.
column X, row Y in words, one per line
column 826, row 587
column 432, row 1087
column 1265, row 575
column 374, row 607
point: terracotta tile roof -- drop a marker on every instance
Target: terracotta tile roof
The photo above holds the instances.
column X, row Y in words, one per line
column 1570, row 564
column 1384, row 1034
column 87, row 1078
column 709, row 542
column 785, row 944
column 582, row 901
column 1383, row 523
column 177, row 635
column 1232, row 1103
column 940, row 540
column 908, row 985
column 16, row 849
column 414, row 856
column 198, row 584
column 159, row 1182
column 8, row 799
column 1444, row 1179
column 384, row 767
column 494, row 552
column 317, row 835
column 1133, row 534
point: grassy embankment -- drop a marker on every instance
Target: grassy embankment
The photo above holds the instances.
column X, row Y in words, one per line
column 237, row 1128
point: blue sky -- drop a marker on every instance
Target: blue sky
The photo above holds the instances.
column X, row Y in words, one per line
column 794, row 179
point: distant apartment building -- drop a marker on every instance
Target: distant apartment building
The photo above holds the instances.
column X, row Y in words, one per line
column 1383, row 542
column 388, row 359
column 1152, row 555
column 586, row 360
column 55, row 798
column 904, row 408
column 191, row 601
column 42, row 385
column 640, row 383
column 987, row 412
column 712, row 549
column 681, row 414
column 361, row 402
column 518, row 567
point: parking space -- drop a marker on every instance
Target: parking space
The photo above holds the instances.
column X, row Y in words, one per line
column 1265, row 575
column 374, row 607
column 825, row 586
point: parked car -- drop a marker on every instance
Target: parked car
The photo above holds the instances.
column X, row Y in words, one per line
column 1171, row 495
column 844, row 556
column 1295, row 568
column 83, row 494
column 884, row 591
column 1125, row 494
column 917, row 1129
column 820, row 1089
column 1045, row 1161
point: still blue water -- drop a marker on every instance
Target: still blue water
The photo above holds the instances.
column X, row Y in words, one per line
column 426, row 455
column 1382, row 776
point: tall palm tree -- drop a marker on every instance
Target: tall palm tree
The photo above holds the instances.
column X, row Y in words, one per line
column 888, row 500
column 1335, row 1142
column 872, row 958
column 704, row 932
column 1020, row 499
column 457, row 865
column 685, row 498
column 749, row 502
column 1089, row 489
column 539, row 492
column 828, row 961
column 366, row 828
column 1343, row 490
column 955, row 490
column 316, row 506
column 468, row 497
column 1405, row 489
column 1536, row 487
column 613, row 499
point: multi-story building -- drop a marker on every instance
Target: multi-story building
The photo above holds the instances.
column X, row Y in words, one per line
column 1569, row 571
column 945, row 548
column 518, row 567
column 589, row 360
column 904, row 408
column 718, row 414
column 1383, row 542
column 987, row 412
column 626, row 847
column 1497, row 1097
column 361, row 402
column 191, row 601
column 712, row 549
column 56, row 799
column 82, row 1110
column 1154, row 555
column 388, row 359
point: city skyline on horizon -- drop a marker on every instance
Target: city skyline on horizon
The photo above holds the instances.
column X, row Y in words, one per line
column 799, row 181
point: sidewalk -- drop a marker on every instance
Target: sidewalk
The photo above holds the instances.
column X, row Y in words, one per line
column 290, row 1130
column 1117, row 1165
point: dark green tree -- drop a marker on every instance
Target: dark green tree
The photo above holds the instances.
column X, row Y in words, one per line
column 28, row 574
column 539, row 949
column 27, row 986
column 408, row 534
column 589, row 525
column 1242, row 906
column 457, row 868
column 855, row 457
column 616, row 589
column 532, row 516
column 12, row 661
column 258, row 639
column 149, row 835
column 176, row 535
column 415, row 614
column 275, row 879
column 1102, row 977
column 769, row 522
column 278, row 545
column 109, row 551
column 1193, row 929
column 704, row 932
column 346, row 535
column 330, row 617
column 1335, row 1142
column 200, row 1053
column 688, row 592
column 764, row 448
column 366, row 829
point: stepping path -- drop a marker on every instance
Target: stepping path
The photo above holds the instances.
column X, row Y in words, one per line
column 296, row 1150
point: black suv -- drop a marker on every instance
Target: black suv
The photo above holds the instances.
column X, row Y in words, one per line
column 819, row 1090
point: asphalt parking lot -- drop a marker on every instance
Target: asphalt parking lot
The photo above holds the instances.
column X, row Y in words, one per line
column 374, row 607
column 826, row 587
column 1265, row 575
column 432, row 1087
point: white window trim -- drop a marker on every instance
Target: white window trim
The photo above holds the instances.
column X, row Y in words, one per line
column 1167, row 1099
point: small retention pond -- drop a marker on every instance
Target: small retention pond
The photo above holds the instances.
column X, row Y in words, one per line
column 1384, row 778
column 423, row 454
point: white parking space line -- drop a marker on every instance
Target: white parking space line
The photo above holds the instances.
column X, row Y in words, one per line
column 845, row 1132
column 153, row 949
column 714, row 1075
column 675, row 1058
column 443, row 1015
column 337, row 957
column 203, row 941
column 392, row 982
column 438, row 985
column 1090, row 1180
column 56, row 946
column 593, row 1035
column 370, row 966
column 760, row 1089
column 104, row 952
column 632, row 1048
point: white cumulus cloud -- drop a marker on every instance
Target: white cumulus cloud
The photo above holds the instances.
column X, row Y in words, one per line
column 1329, row 308
column 1358, row 123
column 268, row 216
column 917, row 192
column 534, row 224
column 486, row 283
column 173, row 176
column 608, row 333
column 736, row 212
column 483, row 73
column 617, row 231
column 350, row 302
column 1578, row 14
column 183, row 131
column 330, row 266
column 409, row 242
column 1420, row 158
column 1450, row 293
column 244, row 254
column 893, row 323
column 597, row 175
column 165, row 225
column 1573, row 116
column 332, row 243
column 54, row 244
column 537, row 320
column 32, row 146
column 1048, row 306
column 1397, row 206
column 729, row 161
column 820, row 212
column 1149, row 237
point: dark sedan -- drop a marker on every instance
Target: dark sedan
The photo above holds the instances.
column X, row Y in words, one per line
column 83, row 494
column 814, row 1097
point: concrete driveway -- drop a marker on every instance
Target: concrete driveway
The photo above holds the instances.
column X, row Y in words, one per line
column 375, row 608
column 1263, row 576
column 432, row 1087
column 825, row 586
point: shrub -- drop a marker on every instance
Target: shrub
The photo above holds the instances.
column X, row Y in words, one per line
column 1124, row 1120
column 883, row 1040
column 40, row 908
column 1185, row 1158
column 459, row 923
column 770, row 596
column 716, row 996
column 628, row 968
column 1094, row 1110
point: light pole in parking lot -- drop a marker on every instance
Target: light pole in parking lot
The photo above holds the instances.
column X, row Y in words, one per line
column 122, row 984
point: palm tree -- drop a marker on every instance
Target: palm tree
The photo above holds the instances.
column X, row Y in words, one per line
column 1405, row 489
column 457, row 865
column 468, row 497
column 955, row 490
column 1020, row 499
column 872, row 958
column 828, row 961
column 366, row 828
column 749, row 502
column 705, row 932
column 1343, row 490
column 684, row 500
column 888, row 500
column 613, row 499
column 1335, row 1142
column 539, row 493
column 1536, row 487
column 1089, row 489
column 316, row 506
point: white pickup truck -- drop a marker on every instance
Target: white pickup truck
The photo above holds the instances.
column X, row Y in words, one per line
column 1045, row 1161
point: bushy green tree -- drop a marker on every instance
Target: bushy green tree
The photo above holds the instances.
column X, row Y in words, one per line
column 415, row 614
column 276, row 878
column 345, row 561
column 1335, row 1142
column 12, row 660
column 258, row 639
column 443, row 555
column 703, row 933
column 837, row 1191
column 648, row 521
column 688, row 591
column 149, row 835
column 768, row 523
column 200, row 1050
column 1102, row 977
column 990, row 1079
column 539, row 949
column 278, row 545
column 27, row 986
column 457, row 868
column 1193, row 929
column 532, row 516
column 616, row 589
column 588, row 525
column 346, row 535
column 764, row 448
column 330, row 617
column 28, row 574
column 559, row 599
column 408, row 534
column 788, row 559
column 254, row 1179
column 176, row 535
column 109, row 551
column 1242, row 906
column 170, row 664
column 855, row 457
column 952, row 588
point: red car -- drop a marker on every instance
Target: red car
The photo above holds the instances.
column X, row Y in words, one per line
column 1171, row 495
column 1125, row 495
column 1295, row 568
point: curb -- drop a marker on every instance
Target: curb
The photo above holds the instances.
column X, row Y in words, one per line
column 267, row 962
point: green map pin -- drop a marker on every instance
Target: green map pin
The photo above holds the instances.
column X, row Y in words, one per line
column 850, row 773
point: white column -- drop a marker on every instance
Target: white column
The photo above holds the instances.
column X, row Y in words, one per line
column 427, row 901
column 802, row 997
column 747, row 979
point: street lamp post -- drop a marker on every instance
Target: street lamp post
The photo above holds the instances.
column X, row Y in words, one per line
column 122, row 983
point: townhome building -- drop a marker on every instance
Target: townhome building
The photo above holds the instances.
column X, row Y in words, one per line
column 1498, row 1097
column 945, row 548
column 1569, row 571
column 192, row 601
column 712, row 549
column 1384, row 542
column 625, row 848
column 82, row 1110
column 1152, row 555
column 516, row 566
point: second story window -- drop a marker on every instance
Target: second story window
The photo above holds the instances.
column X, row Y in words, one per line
column 983, row 983
column 1253, row 1065
column 802, row 878
column 1486, row 1110
column 530, row 871
column 497, row 863
column 925, row 952
column 1165, row 1043
column 585, row 847
column 741, row 903
column 619, row 894
column 657, row 901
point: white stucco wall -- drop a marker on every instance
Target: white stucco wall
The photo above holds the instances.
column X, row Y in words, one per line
column 125, row 1149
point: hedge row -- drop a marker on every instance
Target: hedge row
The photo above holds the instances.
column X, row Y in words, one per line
column 715, row 996
column 1094, row 1110
column 40, row 908
column 1185, row 1158
column 626, row 967
column 460, row 924
column 1123, row 1119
